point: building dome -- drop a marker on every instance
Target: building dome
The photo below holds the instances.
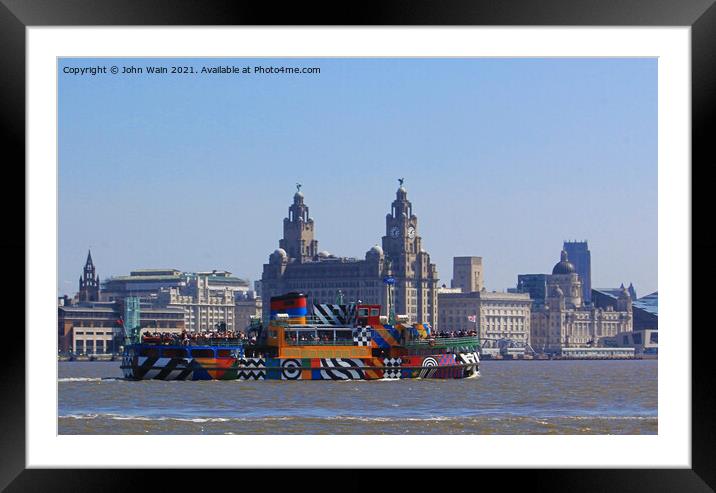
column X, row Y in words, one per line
column 298, row 195
column 564, row 266
column 376, row 249
column 324, row 254
column 280, row 252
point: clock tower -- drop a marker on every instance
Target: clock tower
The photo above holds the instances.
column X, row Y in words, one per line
column 416, row 278
column 298, row 242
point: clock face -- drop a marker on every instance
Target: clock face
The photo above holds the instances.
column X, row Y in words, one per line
column 394, row 231
column 411, row 232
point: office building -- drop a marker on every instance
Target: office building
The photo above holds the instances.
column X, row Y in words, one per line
column 533, row 284
column 142, row 283
column 499, row 318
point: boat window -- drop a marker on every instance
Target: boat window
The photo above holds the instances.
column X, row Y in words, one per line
column 202, row 353
column 344, row 335
column 374, row 312
column 149, row 352
column 362, row 312
column 224, row 353
column 174, row 353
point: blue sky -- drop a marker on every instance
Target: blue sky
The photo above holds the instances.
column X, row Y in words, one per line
column 502, row 158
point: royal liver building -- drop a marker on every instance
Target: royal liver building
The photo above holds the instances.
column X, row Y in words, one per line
column 297, row 265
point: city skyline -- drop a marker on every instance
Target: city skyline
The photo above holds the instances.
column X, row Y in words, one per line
column 585, row 169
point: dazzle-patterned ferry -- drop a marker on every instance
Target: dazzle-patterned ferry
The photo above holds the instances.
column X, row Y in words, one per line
column 336, row 342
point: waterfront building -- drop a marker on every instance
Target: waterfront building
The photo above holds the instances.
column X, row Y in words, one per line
column 535, row 285
column 208, row 299
column 580, row 256
column 603, row 297
column 645, row 342
column 96, row 327
column 205, row 307
column 142, row 283
column 597, row 352
column 645, row 310
column 246, row 309
column 297, row 265
column 443, row 289
column 564, row 320
column 467, row 274
column 89, row 282
column 501, row 319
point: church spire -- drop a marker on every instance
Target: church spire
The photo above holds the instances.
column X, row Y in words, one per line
column 89, row 281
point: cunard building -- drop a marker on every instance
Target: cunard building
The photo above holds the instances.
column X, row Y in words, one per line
column 399, row 270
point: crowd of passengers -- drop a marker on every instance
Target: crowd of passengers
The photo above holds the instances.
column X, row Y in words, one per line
column 453, row 333
column 186, row 338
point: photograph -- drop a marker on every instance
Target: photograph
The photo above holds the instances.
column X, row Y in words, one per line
column 350, row 245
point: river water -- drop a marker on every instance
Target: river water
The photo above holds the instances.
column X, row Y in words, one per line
column 509, row 397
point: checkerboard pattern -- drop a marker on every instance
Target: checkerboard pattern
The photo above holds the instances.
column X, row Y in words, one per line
column 361, row 336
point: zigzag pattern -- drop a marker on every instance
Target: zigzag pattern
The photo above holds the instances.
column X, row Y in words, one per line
column 258, row 373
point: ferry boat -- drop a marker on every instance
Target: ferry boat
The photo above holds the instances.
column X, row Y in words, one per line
column 334, row 342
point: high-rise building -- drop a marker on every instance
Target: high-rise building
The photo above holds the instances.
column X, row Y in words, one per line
column 89, row 282
column 535, row 285
column 581, row 258
column 467, row 274
column 297, row 265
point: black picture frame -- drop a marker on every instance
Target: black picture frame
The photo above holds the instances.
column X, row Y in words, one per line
column 700, row 15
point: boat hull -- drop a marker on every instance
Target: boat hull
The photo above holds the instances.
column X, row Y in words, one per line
column 438, row 366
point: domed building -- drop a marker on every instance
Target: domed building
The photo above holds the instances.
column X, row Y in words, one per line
column 321, row 275
column 564, row 321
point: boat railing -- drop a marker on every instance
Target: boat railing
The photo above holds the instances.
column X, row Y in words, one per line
column 343, row 342
column 199, row 342
column 310, row 322
column 444, row 342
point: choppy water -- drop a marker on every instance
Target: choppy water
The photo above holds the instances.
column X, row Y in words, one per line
column 510, row 397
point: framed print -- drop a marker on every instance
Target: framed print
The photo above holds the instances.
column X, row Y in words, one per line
column 186, row 163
